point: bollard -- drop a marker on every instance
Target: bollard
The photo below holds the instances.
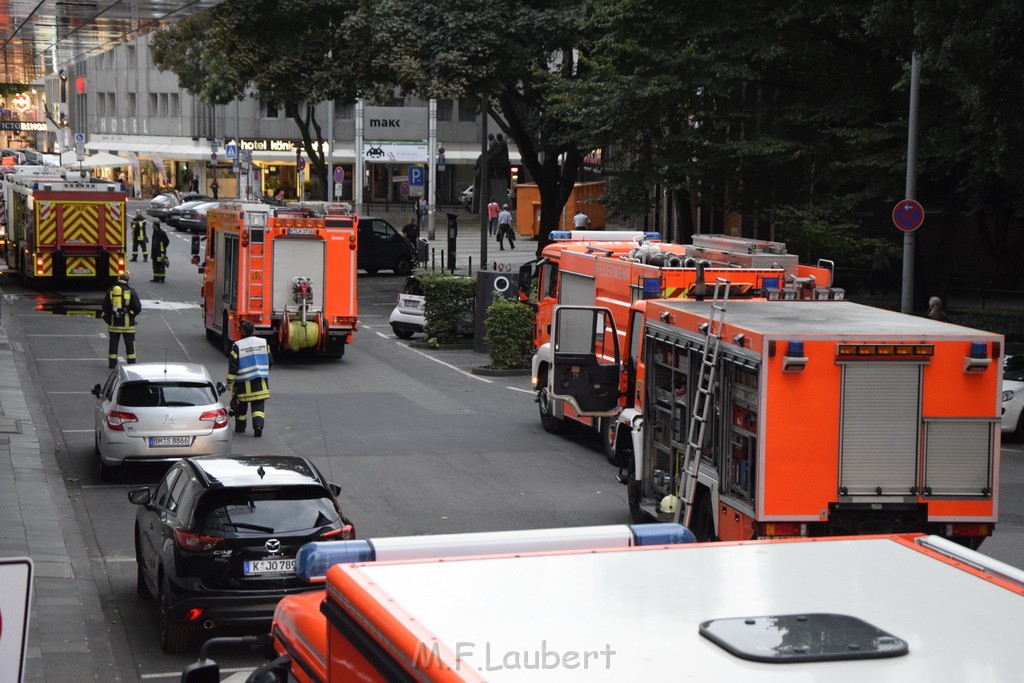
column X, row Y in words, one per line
column 442, row 260
column 433, row 258
column 469, row 271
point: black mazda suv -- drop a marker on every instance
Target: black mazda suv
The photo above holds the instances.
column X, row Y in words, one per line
column 215, row 542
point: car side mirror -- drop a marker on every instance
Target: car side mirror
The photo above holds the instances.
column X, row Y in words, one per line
column 335, row 489
column 221, row 388
column 140, row 496
column 203, row 671
column 97, row 391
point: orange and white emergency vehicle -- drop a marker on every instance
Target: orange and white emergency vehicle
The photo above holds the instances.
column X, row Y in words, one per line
column 288, row 272
column 63, row 226
column 792, row 418
column 616, row 269
column 511, row 607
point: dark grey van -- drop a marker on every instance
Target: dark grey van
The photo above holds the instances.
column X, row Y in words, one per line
column 381, row 247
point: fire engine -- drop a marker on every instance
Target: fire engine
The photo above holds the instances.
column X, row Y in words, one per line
column 557, row 605
column 615, row 269
column 63, row 226
column 791, row 418
column 288, row 272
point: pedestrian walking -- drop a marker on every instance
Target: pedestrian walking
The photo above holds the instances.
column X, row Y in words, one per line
column 505, row 229
column 121, row 306
column 139, row 238
column 492, row 216
column 935, row 311
column 215, row 188
column 160, row 260
column 249, row 379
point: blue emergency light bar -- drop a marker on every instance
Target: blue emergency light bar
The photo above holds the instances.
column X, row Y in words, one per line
column 314, row 559
column 603, row 235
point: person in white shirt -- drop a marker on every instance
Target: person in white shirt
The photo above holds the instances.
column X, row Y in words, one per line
column 505, row 229
column 581, row 220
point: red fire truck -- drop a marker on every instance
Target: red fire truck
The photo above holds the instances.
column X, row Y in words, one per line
column 292, row 274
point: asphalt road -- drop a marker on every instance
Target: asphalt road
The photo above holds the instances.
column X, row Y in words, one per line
column 416, row 442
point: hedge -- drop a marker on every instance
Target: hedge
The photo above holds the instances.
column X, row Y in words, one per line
column 509, row 333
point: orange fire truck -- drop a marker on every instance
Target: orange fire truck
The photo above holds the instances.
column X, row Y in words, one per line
column 615, row 269
column 572, row 605
column 63, row 226
column 791, row 418
column 291, row 274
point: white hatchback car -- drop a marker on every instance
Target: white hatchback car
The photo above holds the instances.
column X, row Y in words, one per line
column 408, row 317
column 159, row 411
column 1013, row 396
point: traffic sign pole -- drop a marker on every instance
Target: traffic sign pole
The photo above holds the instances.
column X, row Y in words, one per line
column 907, row 294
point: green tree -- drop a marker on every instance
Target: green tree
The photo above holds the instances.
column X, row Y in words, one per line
column 277, row 48
column 512, row 54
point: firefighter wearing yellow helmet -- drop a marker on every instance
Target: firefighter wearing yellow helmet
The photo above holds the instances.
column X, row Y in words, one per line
column 121, row 306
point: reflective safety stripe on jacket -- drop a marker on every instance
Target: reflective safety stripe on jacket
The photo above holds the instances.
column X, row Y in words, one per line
column 121, row 301
column 253, row 357
column 252, row 390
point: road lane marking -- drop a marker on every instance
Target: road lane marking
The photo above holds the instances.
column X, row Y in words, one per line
column 69, row 392
column 436, row 360
column 77, row 431
column 177, row 340
column 525, row 391
column 76, row 336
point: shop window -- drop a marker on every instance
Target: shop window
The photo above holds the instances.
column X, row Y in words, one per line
column 468, row 109
column 444, row 110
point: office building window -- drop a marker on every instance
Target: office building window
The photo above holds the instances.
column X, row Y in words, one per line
column 101, row 104
column 152, row 104
column 468, row 109
column 163, row 104
column 175, row 104
column 345, row 111
column 444, row 110
column 111, row 104
column 271, row 109
column 132, row 107
column 130, row 56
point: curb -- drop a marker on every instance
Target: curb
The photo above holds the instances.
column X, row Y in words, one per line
column 457, row 346
column 500, row 372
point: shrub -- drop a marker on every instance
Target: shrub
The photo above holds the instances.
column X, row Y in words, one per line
column 509, row 328
column 448, row 302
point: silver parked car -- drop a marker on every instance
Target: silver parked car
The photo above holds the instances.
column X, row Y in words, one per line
column 159, row 411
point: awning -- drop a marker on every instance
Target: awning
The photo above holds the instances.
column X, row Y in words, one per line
column 147, row 150
column 98, row 160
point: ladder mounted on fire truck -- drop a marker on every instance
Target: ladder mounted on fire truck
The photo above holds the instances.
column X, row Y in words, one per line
column 701, row 404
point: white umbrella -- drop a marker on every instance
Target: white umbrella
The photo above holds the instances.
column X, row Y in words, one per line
column 98, row 160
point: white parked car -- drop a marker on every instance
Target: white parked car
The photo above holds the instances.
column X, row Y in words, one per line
column 1013, row 396
column 407, row 319
column 159, row 411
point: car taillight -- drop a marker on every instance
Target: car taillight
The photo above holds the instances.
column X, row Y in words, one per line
column 195, row 543
column 782, row 529
column 116, row 419
column 218, row 417
column 345, row 533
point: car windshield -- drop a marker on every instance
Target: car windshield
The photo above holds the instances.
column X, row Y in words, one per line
column 165, row 394
column 1013, row 368
column 270, row 510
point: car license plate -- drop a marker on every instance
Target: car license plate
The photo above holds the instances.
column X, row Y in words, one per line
column 170, row 441
column 270, row 565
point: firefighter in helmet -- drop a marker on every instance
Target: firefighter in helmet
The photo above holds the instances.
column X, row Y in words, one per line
column 139, row 236
column 249, row 378
column 121, row 306
column 160, row 260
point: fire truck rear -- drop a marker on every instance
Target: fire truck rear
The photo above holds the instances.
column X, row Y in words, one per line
column 289, row 273
column 63, row 227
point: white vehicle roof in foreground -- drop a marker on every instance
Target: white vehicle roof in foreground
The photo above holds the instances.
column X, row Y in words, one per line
column 646, row 606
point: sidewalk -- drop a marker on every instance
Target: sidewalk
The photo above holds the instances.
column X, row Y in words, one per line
column 68, row 638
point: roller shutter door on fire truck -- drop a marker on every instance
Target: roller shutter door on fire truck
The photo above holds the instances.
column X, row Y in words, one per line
column 576, row 290
column 880, row 425
column 297, row 258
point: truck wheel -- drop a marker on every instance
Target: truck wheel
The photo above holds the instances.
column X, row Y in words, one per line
column 607, row 425
column 403, row 267
column 551, row 424
column 174, row 635
column 1018, row 433
column 212, row 336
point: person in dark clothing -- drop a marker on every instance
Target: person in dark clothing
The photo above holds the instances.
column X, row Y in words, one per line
column 215, row 188
column 160, row 244
column 411, row 231
column 139, row 238
column 120, row 307
column 249, row 379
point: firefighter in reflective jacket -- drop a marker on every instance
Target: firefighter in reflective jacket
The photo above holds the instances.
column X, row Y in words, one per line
column 121, row 306
column 139, row 238
column 249, row 379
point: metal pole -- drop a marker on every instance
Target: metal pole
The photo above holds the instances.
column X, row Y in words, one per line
column 238, row 151
column 480, row 192
column 907, row 297
column 329, row 157
column 359, row 173
column 431, row 165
